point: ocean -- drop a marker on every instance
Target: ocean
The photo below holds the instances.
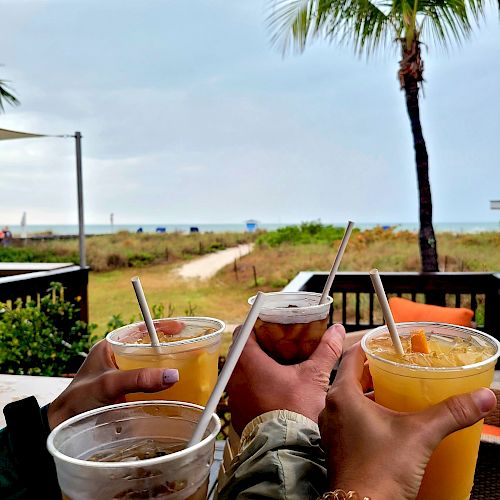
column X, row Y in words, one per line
column 90, row 229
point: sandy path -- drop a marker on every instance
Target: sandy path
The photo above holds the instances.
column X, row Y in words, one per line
column 206, row 266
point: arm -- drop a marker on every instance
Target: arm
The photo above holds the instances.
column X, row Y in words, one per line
column 279, row 457
column 359, row 435
column 26, row 468
column 276, row 409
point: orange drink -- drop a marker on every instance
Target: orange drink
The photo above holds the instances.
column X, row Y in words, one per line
column 460, row 360
column 189, row 344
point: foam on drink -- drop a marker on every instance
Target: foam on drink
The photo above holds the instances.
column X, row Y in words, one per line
column 140, row 449
column 291, row 324
column 445, row 351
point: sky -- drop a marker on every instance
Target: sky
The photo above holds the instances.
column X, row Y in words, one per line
column 190, row 115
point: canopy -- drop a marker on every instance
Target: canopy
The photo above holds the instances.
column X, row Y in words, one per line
column 12, row 134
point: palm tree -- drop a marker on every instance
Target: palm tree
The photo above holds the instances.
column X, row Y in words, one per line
column 368, row 25
column 6, row 96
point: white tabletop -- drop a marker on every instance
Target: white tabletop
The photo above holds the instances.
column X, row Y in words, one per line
column 15, row 387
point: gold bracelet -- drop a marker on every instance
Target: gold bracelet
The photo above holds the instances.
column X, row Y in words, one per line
column 342, row 495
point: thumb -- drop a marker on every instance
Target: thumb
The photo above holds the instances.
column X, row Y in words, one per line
column 329, row 349
column 457, row 412
column 115, row 384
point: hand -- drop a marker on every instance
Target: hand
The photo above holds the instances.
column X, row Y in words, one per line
column 359, row 435
column 259, row 384
column 99, row 383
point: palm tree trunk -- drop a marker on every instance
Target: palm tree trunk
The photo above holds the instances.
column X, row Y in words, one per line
column 411, row 76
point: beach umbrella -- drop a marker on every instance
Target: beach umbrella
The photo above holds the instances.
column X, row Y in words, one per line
column 12, row 134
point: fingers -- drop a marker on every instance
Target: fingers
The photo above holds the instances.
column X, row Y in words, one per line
column 100, row 357
column 329, row 349
column 172, row 327
column 253, row 355
column 115, row 384
column 353, row 371
column 456, row 413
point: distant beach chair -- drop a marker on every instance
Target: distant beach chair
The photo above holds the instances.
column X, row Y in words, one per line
column 194, row 229
column 161, row 229
column 140, row 230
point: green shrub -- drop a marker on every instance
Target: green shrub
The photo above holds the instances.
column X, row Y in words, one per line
column 35, row 254
column 306, row 233
column 140, row 259
column 43, row 337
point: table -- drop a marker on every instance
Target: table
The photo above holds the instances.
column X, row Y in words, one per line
column 16, row 387
column 46, row 389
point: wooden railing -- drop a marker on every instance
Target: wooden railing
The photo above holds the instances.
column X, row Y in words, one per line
column 22, row 284
column 356, row 307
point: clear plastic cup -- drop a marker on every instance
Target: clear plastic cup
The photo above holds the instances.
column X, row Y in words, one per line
column 402, row 387
column 180, row 475
column 291, row 324
column 196, row 358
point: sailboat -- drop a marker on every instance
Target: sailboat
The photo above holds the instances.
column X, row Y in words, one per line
column 24, row 232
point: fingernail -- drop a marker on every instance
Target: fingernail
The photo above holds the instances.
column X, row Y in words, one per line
column 484, row 399
column 170, row 376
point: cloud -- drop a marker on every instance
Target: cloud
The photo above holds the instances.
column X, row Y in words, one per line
column 189, row 115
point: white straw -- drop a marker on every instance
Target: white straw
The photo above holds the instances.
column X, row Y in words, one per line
column 336, row 262
column 136, row 283
column 386, row 310
column 226, row 372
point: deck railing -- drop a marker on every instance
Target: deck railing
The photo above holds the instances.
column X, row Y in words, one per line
column 356, row 307
column 30, row 283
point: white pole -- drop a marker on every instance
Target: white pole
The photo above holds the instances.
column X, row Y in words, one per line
column 81, row 228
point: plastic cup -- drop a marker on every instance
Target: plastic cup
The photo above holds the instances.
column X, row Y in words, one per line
column 450, row 472
column 180, row 475
column 291, row 324
column 196, row 359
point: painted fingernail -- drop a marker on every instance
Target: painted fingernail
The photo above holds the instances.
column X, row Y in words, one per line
column 484, row 399
column 170, row 376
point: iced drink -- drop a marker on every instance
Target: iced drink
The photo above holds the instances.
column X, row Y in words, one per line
column 290, row 325
column 189, row 344
column 460, row 360
column 134, row 450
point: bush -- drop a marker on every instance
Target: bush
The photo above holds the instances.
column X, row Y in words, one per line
column 306, row 233
column 43, row 337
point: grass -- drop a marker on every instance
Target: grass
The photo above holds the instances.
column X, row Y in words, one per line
column 270, row 268
column 124, row 249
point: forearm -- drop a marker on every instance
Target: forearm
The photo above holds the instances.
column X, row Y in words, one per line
column 280, row 457
column 26, row 468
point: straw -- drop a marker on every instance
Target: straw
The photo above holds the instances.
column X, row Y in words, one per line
column 336, row 262
column 227, row 370
column 382, row 298
column 136, row 283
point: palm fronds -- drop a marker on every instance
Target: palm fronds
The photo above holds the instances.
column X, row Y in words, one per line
column 367, row 25
column 6, row 96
